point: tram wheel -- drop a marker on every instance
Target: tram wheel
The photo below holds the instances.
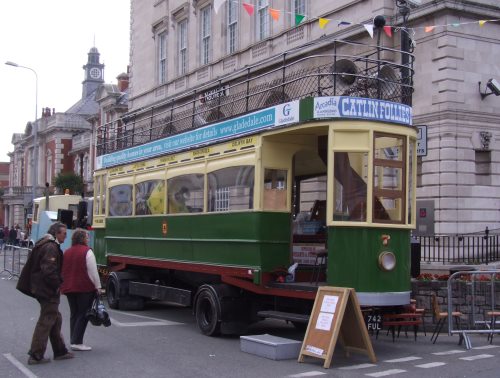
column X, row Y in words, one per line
column 207, row 312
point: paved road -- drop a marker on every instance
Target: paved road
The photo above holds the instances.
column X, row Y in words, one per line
column 163, row 341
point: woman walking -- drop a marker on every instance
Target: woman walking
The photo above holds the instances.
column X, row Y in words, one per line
column 81, row 283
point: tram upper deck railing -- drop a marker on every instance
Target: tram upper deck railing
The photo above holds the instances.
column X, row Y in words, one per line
column 286, row 77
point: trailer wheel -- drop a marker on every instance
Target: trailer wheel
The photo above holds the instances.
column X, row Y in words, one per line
column 113, row 292
column 208, row 312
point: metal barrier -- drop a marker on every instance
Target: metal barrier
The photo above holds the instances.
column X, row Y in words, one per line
column 14, row 258
column 480, row 293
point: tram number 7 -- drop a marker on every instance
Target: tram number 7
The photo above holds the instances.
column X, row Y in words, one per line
column 374, row 322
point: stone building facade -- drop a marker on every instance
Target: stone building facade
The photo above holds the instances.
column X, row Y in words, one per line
column 178, row 47
column 56, row 134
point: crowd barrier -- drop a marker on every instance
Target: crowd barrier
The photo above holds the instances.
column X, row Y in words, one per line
column 479, row 291
column 14, row 258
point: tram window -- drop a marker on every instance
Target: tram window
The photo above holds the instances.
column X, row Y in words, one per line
column 389, row 178
column 350, row 193
column 275, row 190
column 231, row 188
column 97, row 196
column 185, row 194
column 149, row 197
column 120, row 200
column 410, row 180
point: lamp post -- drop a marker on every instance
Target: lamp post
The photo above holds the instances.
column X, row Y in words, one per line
column 35, row 134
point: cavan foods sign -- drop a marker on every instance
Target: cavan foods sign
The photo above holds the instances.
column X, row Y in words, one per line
column 276, row 116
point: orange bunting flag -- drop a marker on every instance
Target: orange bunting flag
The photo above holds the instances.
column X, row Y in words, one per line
column 482, row 22
column 388, row 30
column 248, row 8
column 275, row 14
column 323, row 22
column 428, row 29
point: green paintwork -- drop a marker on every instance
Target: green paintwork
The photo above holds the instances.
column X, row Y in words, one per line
column 258, row 240
column 353, row 259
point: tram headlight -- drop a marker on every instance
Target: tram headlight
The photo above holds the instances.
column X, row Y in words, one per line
column 387, row 261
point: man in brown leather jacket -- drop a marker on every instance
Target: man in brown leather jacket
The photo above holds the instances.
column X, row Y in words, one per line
column 41, row 279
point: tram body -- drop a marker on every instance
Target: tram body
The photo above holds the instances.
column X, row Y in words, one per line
column 214, row 216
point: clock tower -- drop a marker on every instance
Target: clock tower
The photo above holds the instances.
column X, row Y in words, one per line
column 94, row 73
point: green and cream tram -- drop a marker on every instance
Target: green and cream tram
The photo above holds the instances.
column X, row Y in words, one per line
column 215, row 216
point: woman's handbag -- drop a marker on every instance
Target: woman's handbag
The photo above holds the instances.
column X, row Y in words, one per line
column 97, row 315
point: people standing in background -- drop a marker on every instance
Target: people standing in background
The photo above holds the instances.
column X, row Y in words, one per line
column 12, row 236
column 18, row 235
column 81, row 283
column 41, row 279
column 6, row 234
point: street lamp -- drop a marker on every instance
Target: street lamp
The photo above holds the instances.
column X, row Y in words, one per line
column 35, row 134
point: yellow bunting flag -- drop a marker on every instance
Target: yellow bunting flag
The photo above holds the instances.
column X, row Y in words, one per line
column 323, row 22
column 275, row 14
column 482, row 22
column 428, row 29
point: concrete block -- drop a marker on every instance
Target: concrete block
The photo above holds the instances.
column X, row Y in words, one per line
column 269, row 346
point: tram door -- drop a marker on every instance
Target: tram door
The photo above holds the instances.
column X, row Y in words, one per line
column 309, row 201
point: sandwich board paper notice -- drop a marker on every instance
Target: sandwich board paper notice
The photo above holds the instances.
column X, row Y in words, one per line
column 336, row 316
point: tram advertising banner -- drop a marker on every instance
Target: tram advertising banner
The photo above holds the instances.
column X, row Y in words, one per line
column 286, row 114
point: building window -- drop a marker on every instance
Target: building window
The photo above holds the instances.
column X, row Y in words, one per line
column 232, row 26
column 49, row 167
column 262, row 19
column 162, row 58
column 86, row 168
column 298, row 7
column 182, row 56
column 483, row 167
column 205, row 28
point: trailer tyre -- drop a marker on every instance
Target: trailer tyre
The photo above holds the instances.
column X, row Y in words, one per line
column 208, row 313
column 113, row 292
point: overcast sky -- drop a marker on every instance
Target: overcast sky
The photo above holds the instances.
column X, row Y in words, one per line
column 53, row 37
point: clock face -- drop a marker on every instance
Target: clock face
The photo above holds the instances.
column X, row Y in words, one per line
column 95, row 73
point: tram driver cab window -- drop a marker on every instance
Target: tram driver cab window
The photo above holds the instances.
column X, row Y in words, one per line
column 350, row 192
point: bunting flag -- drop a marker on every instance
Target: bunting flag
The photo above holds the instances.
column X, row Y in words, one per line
column 275, row 14
column 217, row 5
column 388, row 29
column 299, row 18
column 323, row 22
column 248, row 8
column 369, row 29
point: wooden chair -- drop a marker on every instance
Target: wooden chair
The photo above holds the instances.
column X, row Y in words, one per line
column 494, row 314
column 320, row 264
column 441, row 317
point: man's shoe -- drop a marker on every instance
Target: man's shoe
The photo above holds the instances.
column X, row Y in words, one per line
column 34, row 361
column 66, row 356
column 80, row 347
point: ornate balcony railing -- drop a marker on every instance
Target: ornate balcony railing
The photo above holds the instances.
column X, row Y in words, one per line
column 289, row 76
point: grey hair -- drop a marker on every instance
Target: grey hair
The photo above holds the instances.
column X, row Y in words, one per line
column 55, row 228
